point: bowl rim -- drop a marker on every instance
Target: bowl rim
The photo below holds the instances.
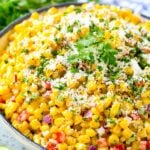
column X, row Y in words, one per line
column 6, row 30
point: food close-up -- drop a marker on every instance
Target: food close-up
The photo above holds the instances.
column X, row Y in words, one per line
column 77, row 77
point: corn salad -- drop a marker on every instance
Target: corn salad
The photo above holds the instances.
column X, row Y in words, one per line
column 78, row 78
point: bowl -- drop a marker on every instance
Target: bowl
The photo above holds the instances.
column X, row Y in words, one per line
column 27, row 143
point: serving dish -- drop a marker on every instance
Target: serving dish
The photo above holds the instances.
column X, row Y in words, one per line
column 94, row 30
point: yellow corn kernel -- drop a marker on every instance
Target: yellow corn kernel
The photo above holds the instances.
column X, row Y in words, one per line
column 44, row 107
column 124, row 123
column 53, row 129
column 123, row 87
column 71, row 147
column 35, row 124
column 30, row 109
column 147, row 126
column 111, row 87
column 53, row 10
column 113, row 139
column 37, row 138
column 135, row 145
column 116, row 130
column 74, row 84
column 68, row 130
column 129, row 70
column 94, row 124
column 90, row 132
column 80, row 146
column 70, row 9
column 35, row 15
column 95, row 111
column 19, row 98
column 11, row 107
column 107, row 35
column 127, row 133
column 114, row 109
column 4, row 90
column 142, row 133
column 2, row 106
column 91, row 87
column 70, row 140
column 62, row 146
column 59, row 121
column 67, row 114
column 44, row 127
column 108, row 102
column 77, row 119
column 38, row 114
column 54, row 111
column 84, row 139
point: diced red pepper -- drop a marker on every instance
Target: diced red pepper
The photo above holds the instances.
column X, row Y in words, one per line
column 148, row 145
column 23, row 116
column 60, row 137
column 102, row 142
column 51, row 146
column 119, row 147
column 2, row 100
column 48, row 85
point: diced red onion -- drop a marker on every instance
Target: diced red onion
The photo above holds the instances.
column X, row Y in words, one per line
column 88, row 114
column 47, row 119
column 92, row 147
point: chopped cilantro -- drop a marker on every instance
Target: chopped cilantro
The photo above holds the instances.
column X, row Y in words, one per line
column 32, row 67
column 26, row 51
column 107, row 53
column 70, row 28
column 128, row 35
column 6, row 61
column 54, row 52
column 61, row 86
column 111, row 121
column 78, row 10
column 100, row 68
column 73, row 69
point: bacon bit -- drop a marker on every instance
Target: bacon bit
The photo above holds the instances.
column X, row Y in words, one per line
column 146, row 50
column 51, row 146
column 148, row 145
column 2, row 100
column 60, row 137
column 48, row 85
column 15, row 78
column 23, row 116
column 143, row 145
column 102, row 142
column 140, row 83
column 135, row 116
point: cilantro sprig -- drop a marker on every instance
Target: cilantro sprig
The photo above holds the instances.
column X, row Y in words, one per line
column 92, row 47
